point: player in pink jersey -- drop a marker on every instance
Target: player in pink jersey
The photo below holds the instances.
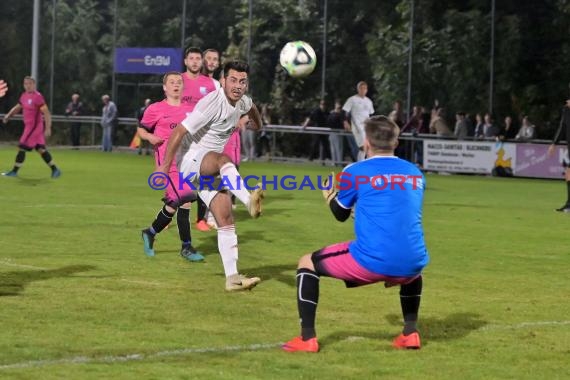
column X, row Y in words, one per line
column 210, row 64
column 33, row 106
column 157, row 123
column 233, row 146
column 196, row 86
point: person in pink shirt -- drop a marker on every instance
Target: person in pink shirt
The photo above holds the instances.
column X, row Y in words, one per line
column 156, row 126
column 198, row 82
column 35, row 111
column 211, row 62
column 233, row 147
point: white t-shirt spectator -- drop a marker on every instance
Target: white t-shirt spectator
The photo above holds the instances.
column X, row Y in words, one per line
column 360, row 109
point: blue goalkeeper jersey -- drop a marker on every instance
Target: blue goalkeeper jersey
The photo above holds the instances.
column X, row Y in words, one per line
column 387, row 195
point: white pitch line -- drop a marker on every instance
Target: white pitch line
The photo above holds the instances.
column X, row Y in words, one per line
column 132, row 357
column 252, row 347
column 151, row 283
column 523, row 325
column 9, row 264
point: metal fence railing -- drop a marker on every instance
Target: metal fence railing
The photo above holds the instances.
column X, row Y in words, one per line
column 281, row 142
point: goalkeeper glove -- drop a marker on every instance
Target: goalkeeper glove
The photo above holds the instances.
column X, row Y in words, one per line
column 329, row 187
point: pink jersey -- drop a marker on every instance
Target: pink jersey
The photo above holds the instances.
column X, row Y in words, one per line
column 233, row 147
column 31, row 103
column 196, row 89
column 33, row 135
column 160, row 119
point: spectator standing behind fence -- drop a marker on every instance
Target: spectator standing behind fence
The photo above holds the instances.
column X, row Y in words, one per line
column 75, row 108
column 335, row 121
column 425, row 119
column 489, row 130
column 108, row 120
column 413, row 149
column 263, row 144
column 509, row 130
column 396, row 115
column 144, row 144
column 527, row 130
column 414, row 122
column 461, row 128
column 563, row 130
column 470, row 125
column 358, row 108
column 248, row 139
column 319, row 142
column 438, row 126
column 479, row 125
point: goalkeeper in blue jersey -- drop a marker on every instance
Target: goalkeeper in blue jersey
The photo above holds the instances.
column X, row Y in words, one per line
column 387, row 195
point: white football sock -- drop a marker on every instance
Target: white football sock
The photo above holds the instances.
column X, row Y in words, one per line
column 228, row 247
column 230, row 173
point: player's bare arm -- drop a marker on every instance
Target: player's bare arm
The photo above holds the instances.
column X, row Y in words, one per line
column 15, row 110
column 173, row 145
column 255, row 116
column 47, row 117
column 151, row 138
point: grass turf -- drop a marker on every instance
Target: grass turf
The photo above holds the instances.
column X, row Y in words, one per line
column 78, row 296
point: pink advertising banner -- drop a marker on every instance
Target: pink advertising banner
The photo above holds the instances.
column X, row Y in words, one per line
column 533, row 161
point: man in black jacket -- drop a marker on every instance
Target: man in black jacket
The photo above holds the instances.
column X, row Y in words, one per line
column 75, row 108
column 564, row 127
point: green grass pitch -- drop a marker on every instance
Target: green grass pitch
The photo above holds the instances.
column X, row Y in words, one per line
column 80, row 300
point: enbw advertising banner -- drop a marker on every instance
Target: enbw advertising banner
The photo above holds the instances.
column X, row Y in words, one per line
column 147, row 60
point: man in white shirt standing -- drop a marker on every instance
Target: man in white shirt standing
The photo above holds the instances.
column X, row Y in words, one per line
column 358, row 108
column 209, row 127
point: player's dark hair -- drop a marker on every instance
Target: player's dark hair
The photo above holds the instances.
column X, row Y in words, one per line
column 192, row 49
column 211, row 50
column 381, row 132
column 165, row 77
column 204, row 69
column 30, row 78
column 239, row 66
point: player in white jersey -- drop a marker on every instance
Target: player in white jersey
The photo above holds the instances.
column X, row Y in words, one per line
column 210, row 65
column 209, row 126
column 358, row 108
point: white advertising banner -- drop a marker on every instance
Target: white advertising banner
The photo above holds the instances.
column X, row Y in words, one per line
column 467, row 156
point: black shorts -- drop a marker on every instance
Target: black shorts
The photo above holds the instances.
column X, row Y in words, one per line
column 28, row 148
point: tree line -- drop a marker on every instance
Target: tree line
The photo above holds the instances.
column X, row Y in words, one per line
column 366, row 40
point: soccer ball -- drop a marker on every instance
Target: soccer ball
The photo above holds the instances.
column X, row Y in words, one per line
column 298, row 58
